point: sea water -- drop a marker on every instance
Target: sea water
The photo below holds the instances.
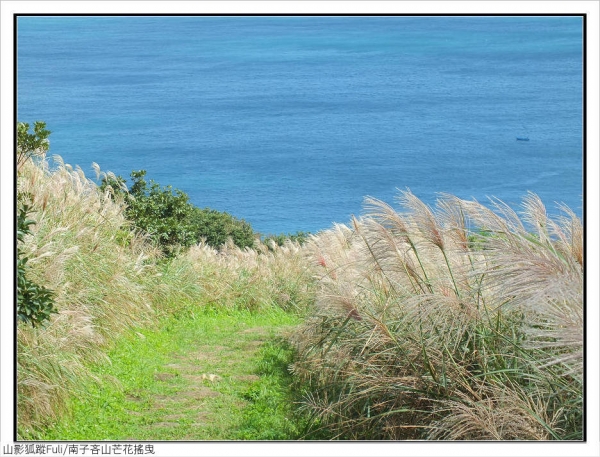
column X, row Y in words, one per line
column 289, row 122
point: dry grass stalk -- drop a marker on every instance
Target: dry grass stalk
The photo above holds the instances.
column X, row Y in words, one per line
column 253, row 278
column 75, row 251
column 108, row 279
column 424, row 296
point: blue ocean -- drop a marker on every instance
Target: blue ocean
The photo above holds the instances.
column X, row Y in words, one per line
column 289, row 122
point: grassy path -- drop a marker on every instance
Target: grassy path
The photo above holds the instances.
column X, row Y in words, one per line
column 208, row 375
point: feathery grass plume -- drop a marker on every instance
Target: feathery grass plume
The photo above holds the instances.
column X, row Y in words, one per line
column 109, row 279
column 534, row 273
column 569, row 230
column 503, row 413
column 75, row 249
column 253, row 279
column 420, row 308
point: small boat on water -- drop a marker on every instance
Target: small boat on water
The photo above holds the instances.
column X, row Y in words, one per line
column 524, row 137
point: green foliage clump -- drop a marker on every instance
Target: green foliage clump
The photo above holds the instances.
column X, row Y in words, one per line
column 171, row 220
column 31, row 144
column 160, row 212
column 35, row 303
column 215, row 227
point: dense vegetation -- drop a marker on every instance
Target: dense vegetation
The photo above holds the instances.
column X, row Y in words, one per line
column 298, row 237
column 426, row 329
column 171, row 220
column 415, row 325
column 31, row 144
column 174, row 223
column 34, row 301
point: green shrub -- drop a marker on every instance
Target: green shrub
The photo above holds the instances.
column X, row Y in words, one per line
column 171, row 220
column 161, row 212
column 35, row 303
column 215, row 227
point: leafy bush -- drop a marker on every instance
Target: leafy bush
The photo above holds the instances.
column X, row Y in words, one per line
column 160, row 212
column 171, row 220
column 215, row 227
column 34, row 302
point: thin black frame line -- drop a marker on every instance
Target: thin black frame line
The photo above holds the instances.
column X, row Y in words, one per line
column 15, row 221
column 584, row 211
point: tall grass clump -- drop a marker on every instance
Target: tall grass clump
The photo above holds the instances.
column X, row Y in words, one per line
column 106, row 277
column 104, row 280
column 254, row 279
column 461, row 322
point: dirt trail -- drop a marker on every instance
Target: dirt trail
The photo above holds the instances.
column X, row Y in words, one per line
column 212, row 374
column 202, row 392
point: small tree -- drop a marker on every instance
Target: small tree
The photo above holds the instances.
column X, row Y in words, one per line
column 35, row 303
column 161, row 212
column 31, row 144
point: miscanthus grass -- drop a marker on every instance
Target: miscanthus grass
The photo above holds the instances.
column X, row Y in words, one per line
column 254, row 279
column 461, row 322
column 78, row 250
column 109, row 279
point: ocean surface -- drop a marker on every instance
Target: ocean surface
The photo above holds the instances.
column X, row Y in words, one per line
column 289, row 122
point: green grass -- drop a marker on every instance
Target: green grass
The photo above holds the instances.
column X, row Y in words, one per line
column 109, row 281
column 271, row 414
column 206, row 374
